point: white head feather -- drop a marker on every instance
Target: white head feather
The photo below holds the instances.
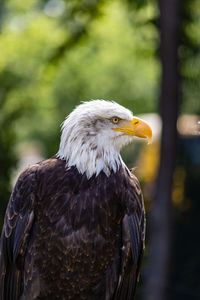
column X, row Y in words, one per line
column 88, row 140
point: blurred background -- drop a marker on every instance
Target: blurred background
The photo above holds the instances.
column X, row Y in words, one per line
column 146, row 56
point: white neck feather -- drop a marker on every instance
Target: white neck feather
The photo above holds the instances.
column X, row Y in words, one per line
column 89, row 156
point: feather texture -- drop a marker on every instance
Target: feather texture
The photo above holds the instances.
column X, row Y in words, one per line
column 69, row 237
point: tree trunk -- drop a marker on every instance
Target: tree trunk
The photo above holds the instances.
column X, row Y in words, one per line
column 160, row 222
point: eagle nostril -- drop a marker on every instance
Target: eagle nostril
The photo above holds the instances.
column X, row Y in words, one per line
column 136, row 122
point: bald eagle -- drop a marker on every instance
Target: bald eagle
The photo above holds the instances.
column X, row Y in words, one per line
column 75, row 224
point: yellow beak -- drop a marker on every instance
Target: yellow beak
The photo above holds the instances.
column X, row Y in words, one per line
column 136, row 127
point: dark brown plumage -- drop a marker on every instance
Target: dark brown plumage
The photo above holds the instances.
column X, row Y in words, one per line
column 69, row 237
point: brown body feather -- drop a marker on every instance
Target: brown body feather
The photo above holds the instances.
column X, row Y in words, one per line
column 67, row 237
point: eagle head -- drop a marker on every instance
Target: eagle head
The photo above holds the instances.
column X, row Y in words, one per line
column 94, row 133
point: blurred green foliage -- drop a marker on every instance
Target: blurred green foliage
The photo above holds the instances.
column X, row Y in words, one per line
column 112, row 58
column 189, row 56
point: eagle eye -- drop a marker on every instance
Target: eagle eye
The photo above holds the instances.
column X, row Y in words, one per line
column 115, row 120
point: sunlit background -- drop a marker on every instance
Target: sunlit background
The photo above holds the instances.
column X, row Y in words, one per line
column 55, row 54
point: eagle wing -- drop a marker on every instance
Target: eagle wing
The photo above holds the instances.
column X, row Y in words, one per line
column 18, row 222
column 133, row 236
